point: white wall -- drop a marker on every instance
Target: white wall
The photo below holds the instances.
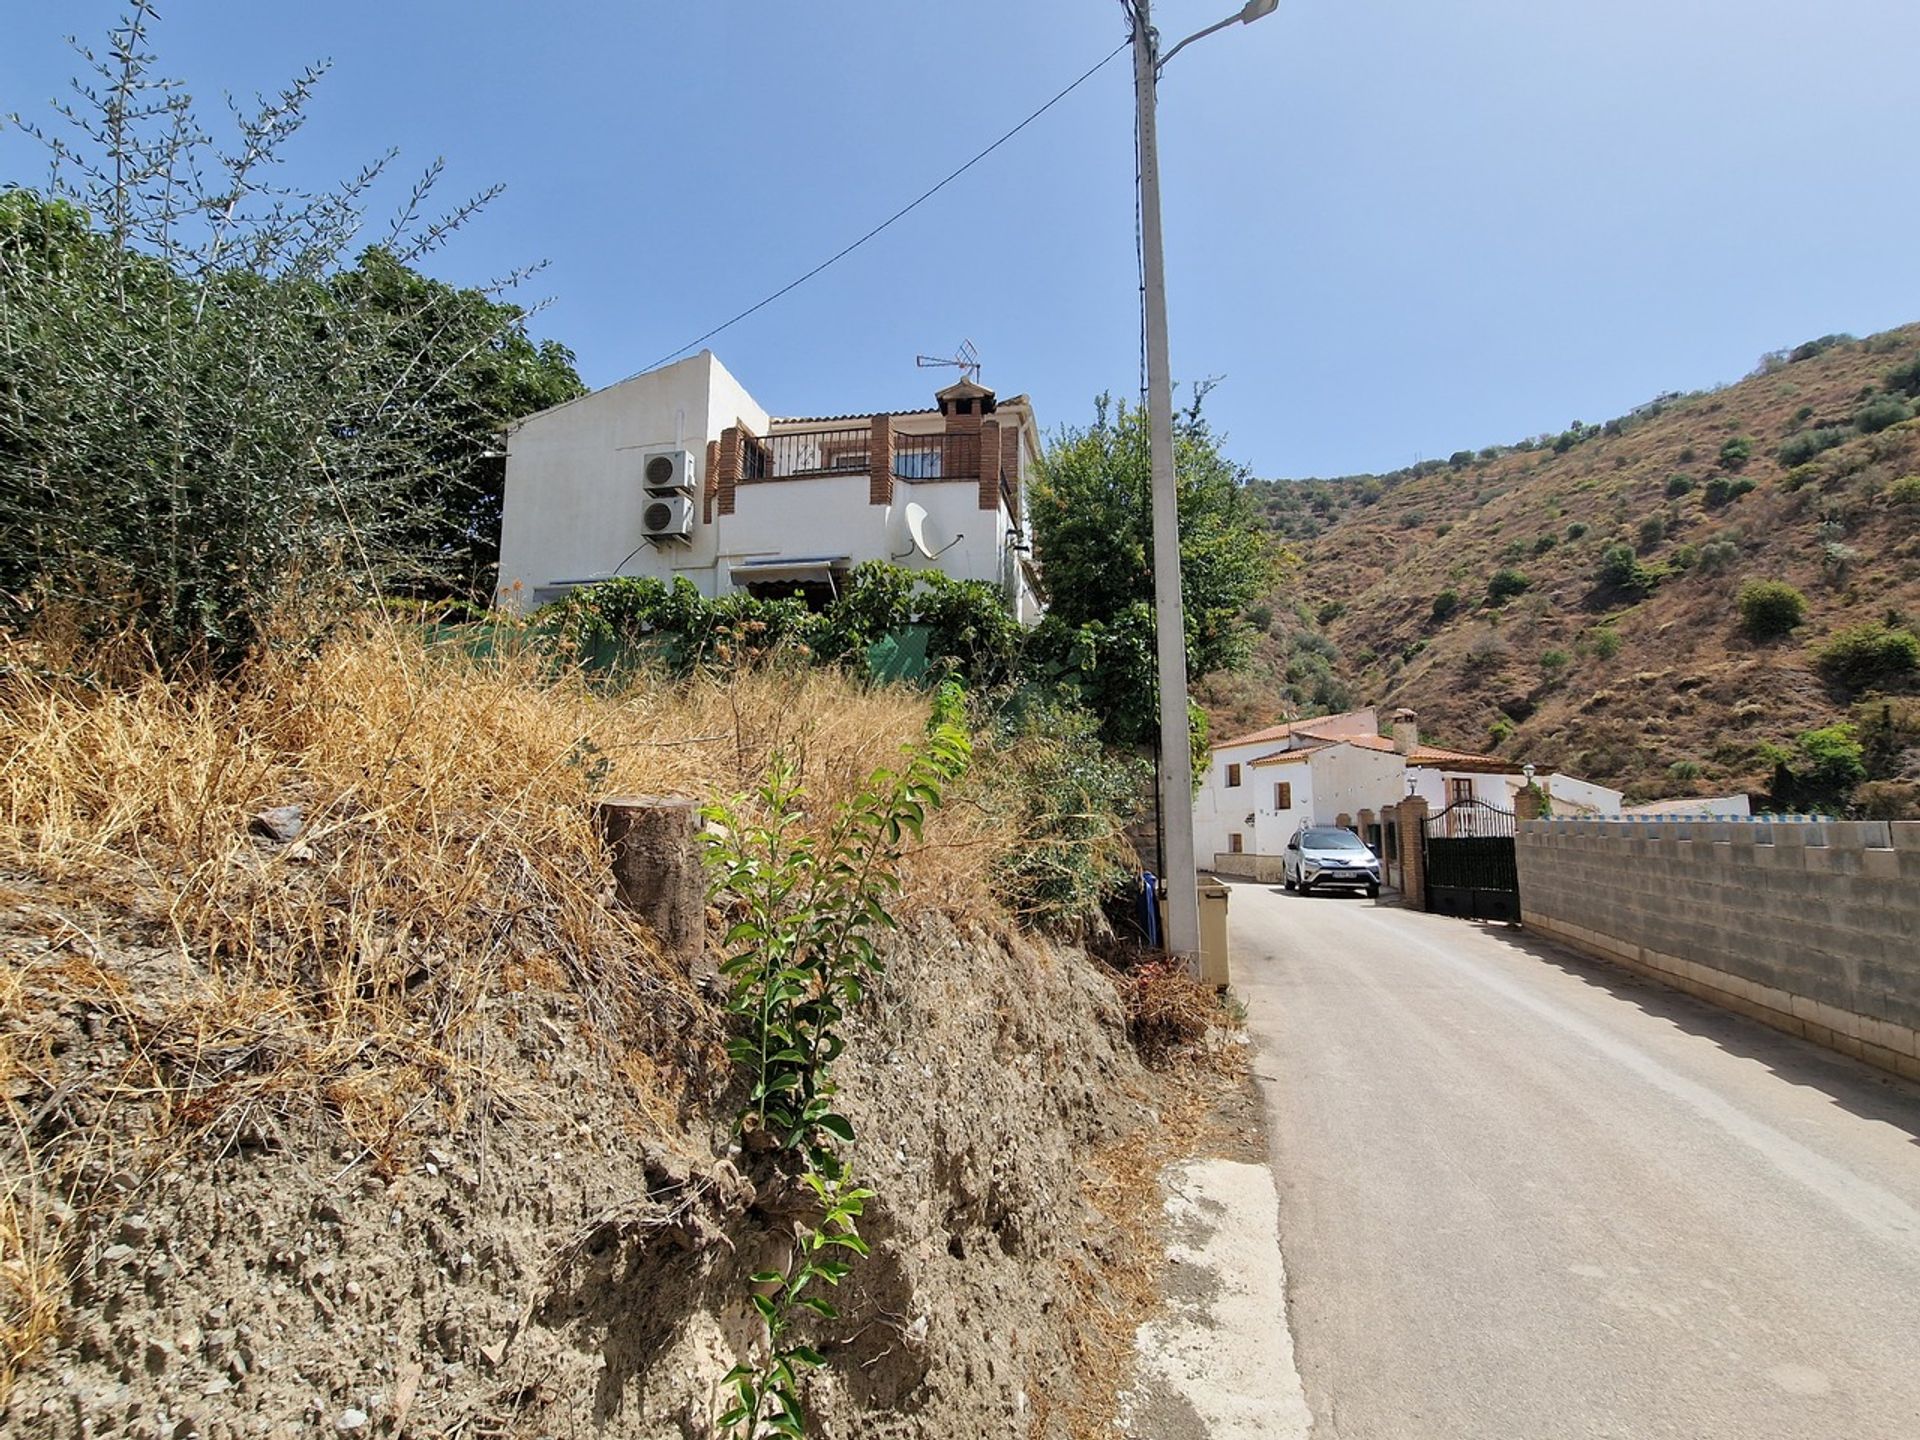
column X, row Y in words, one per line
column 1571, row 796
column 1273, row 826
column 1348, row 779
column 573, row 492
column 1217, row 809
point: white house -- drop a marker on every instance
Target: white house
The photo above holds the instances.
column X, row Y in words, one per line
column 680, row 472
column 1570, row 796
column 1331, row 770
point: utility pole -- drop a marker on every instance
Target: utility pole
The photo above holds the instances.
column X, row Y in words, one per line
column 1180, row 883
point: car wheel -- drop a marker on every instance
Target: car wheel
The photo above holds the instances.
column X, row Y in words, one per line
column 1373, row 892
column 1305, row 888
column 1286, row 881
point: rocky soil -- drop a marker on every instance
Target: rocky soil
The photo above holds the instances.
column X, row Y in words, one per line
column 559, row 1262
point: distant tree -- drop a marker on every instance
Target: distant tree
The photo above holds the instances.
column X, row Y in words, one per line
column 1505, row 584
column 1621, row 569
column 1872, row 654
column 1678, row 485
column 1735, row 453
column 1445, row 603
column 1881, row 412
column 1770, row 609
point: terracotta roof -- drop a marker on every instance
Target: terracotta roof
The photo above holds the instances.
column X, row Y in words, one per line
column 1423, row 755
column 1282, row 757
column 862, row 415
column 1252, row 737
column 1461, row 760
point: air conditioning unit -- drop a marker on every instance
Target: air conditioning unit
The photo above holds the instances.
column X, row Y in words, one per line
column 667, row 472
column 667, row 517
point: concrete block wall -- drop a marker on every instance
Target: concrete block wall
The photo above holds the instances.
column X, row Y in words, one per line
column 1810, row 927
column 1262, row 868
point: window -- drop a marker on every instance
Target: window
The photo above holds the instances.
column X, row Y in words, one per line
column 1233, row 776
column 1283, row 795
column 1459, row 789
column 1233, row 843
column 921, row 462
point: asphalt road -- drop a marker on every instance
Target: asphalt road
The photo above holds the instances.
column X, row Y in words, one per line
column 1527, row 1196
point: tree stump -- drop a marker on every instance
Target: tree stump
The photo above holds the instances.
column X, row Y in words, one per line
column 656, row 866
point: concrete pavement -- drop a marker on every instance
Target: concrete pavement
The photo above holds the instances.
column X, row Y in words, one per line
column 1527, row 1196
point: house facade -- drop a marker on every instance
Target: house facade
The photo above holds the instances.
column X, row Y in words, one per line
column 680, row 473
column 1331, row 770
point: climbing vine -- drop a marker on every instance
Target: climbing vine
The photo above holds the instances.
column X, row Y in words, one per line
column 809, row 909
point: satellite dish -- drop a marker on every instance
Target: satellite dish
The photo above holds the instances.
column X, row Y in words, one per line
column 926, row 534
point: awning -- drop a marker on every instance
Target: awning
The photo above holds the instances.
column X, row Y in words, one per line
column 815, row 571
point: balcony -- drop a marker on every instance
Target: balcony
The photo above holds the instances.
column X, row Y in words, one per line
column 810, row 454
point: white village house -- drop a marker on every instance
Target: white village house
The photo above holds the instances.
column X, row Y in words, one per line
column 681, row 473
column 1260, row 788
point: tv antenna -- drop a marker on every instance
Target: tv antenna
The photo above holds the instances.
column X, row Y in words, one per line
column 966, row 360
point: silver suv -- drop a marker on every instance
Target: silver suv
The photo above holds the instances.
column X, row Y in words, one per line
column 1324, row 855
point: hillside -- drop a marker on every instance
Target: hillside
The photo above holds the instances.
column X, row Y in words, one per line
column 1638, row 672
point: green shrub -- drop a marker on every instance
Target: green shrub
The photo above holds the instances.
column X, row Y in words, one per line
column 1678, row 485
column 1445, row 603
column 1460, row 459
column 1905, row 379
column 1799, row 449
column 1684, row 557
column 1545, row 543
column 1069, row 799
column 1652, row 531
column 1742, row 486
column 1735, row 453
column 1874, row 654
column 1718, row 556
column 1881, row 412
column 1620, row 569
column 1576, row 530
column 1770, row 609
column 1905, row 492
column 1799, row 478
column 1604, row 641
column 1505, row 584
column 1833, row 759
column 1554, row 661
column 1685, row 770
column 1688, row 455
column 1260, row 617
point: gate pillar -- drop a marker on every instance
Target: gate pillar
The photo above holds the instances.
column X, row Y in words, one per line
column 1413, row 855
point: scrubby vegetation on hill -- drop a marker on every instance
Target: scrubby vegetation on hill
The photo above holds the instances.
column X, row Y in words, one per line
column 1577, row 598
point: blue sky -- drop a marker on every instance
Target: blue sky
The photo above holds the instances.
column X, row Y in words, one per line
column 1394, row 227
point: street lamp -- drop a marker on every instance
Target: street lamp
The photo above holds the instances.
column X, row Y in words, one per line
column 1180, row 882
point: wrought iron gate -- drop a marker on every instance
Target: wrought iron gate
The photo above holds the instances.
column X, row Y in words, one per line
column 1471, row 870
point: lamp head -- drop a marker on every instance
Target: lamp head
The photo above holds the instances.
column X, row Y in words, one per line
column 1258, row 10
column 1527, row 770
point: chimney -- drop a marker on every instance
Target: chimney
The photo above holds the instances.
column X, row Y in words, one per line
column 1406, row 731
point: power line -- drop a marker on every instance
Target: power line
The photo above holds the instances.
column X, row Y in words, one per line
column 899, row 214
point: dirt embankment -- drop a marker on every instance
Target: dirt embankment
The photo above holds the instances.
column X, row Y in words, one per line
column 562, row 1267
column 282, row 1161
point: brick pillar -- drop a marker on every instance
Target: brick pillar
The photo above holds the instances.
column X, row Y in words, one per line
column 880, row 462
column 729, row 468
column 989, row 449
column 711, row 486
column 1413, row 858
column 1010, row 467
column 1527, row 803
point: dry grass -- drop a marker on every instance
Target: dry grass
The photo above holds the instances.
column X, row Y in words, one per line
column 448, row 858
